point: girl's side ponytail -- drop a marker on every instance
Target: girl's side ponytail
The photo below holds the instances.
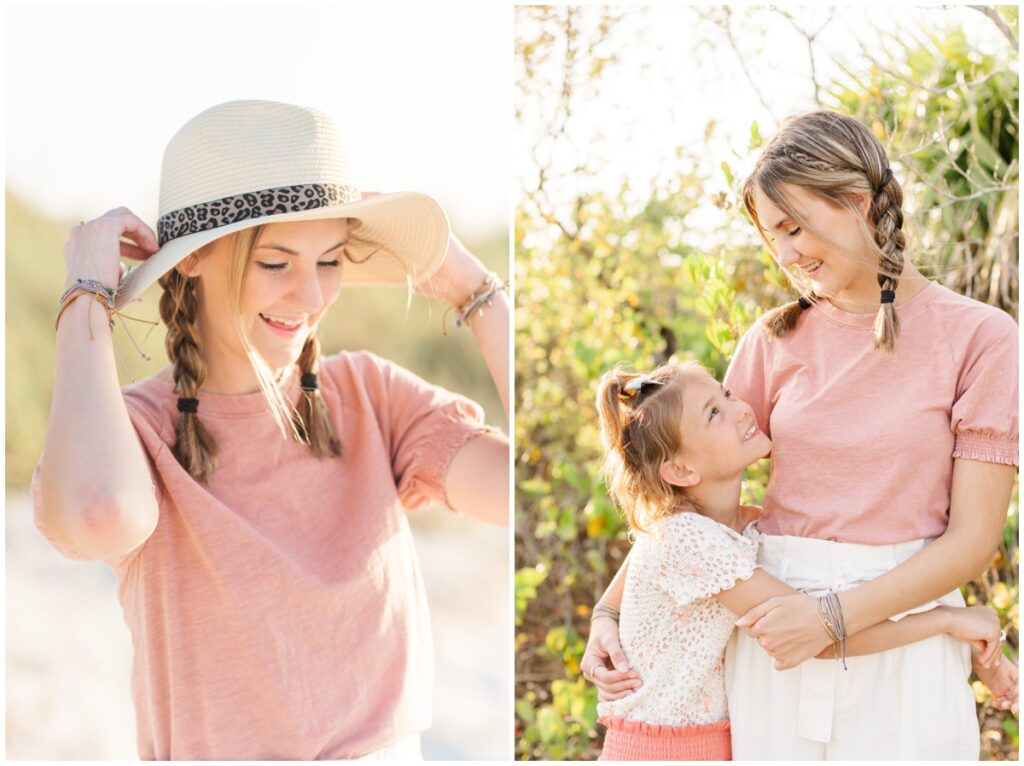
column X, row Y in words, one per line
column 639, row 416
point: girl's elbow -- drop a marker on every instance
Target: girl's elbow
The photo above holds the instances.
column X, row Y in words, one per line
column 108, row 526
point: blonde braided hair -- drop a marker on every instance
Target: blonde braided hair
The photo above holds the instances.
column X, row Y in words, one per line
column 194, row 447
column 312, row 420
column 308, row 421
column 834, row 157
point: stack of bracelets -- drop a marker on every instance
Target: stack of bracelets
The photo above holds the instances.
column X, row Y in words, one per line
column 99, row 292
column 479, row 300
column 830, row 612
column 604, row 610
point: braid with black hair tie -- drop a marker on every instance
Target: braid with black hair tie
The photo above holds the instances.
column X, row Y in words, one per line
column 887, row 218
column 312, row 420
column 194, row 446
column 886, row 178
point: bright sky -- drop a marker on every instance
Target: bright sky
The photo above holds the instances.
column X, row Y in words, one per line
column 666, row 86
column 421, row 96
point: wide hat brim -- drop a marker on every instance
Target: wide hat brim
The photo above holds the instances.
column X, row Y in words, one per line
column 396, row 238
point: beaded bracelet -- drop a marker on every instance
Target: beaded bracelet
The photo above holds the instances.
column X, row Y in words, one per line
column 101, row 293
column 479, row 299
column 830, row 613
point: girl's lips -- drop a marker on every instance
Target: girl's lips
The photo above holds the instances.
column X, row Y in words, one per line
column 282, row 330
column 815, row 270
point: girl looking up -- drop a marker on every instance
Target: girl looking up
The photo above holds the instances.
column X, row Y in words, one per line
column 677, row 444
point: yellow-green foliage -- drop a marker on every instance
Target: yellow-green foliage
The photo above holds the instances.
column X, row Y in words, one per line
column 604, row 278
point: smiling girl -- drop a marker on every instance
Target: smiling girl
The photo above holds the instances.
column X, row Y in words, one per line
column 251, row 497
column 677, row 444
column 892, row 405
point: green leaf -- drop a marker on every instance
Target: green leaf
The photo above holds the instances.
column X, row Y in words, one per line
column 550, row 725
column 525, row 711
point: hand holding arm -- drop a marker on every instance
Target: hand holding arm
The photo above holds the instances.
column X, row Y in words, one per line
column 979, row 499
column 604, row 663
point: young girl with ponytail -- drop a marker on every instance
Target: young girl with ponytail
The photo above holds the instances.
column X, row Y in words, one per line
column 251, row 497
column 892, row 405
column 676, row 444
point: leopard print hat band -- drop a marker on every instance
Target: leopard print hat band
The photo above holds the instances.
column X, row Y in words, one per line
column 245, row 163
column 243, row 207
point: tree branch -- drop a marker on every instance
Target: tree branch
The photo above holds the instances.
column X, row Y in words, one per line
column 990, row 12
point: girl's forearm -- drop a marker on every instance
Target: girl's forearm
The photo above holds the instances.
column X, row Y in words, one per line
column 889, row 635
column 613, row 593
column 491, row 330
column 95, row 482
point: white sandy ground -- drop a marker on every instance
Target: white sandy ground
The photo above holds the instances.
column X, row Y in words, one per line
column 69, row 652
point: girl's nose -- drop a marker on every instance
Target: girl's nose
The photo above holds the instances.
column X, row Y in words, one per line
column 786, row 254
column 742, row 411
column 308, row 293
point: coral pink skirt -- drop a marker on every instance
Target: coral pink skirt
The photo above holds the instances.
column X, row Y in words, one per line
column 637, row 741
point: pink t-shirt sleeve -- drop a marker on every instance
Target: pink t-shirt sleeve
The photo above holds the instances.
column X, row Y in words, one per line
column 747, row 376
column 984, row 416
column 698, row 557
column 426, row 425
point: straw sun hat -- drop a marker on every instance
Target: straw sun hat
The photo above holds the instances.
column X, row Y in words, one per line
column 246, row 163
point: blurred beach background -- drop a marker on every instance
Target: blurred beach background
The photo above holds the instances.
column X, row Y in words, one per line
column 421, row 99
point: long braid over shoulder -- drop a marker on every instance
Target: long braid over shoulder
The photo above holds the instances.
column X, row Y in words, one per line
column 312, row 420
column 194, row 447
column 887, row 217
column 836, row 158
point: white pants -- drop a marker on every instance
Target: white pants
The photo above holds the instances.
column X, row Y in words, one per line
column 405, row 749
column 910, row 703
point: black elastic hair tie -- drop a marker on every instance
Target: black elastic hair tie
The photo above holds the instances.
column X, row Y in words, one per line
column 888, row 296
column 308, row 382
column 805, row 303
column 188, row 405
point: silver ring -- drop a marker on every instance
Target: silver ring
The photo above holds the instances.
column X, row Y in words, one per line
column 1002, row 636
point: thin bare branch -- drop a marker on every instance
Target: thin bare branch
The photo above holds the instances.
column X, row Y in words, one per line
column 727, row 29
column 990, row 12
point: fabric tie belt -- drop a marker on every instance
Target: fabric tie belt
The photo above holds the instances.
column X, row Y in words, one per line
column 816, row 566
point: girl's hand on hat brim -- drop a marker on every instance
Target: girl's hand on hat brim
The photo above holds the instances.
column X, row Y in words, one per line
column 459, row 275
column 94, row 250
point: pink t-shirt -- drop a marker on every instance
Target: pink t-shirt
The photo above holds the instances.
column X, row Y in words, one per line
column 278, row 612
column 864, row 441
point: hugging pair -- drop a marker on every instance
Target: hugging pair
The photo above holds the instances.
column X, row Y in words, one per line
column 889, row 406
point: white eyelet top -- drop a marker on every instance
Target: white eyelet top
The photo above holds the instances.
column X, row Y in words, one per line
column 672, row 629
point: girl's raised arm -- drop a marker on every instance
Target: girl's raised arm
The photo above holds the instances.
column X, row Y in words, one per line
column 477, row 482
column 95, row 482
